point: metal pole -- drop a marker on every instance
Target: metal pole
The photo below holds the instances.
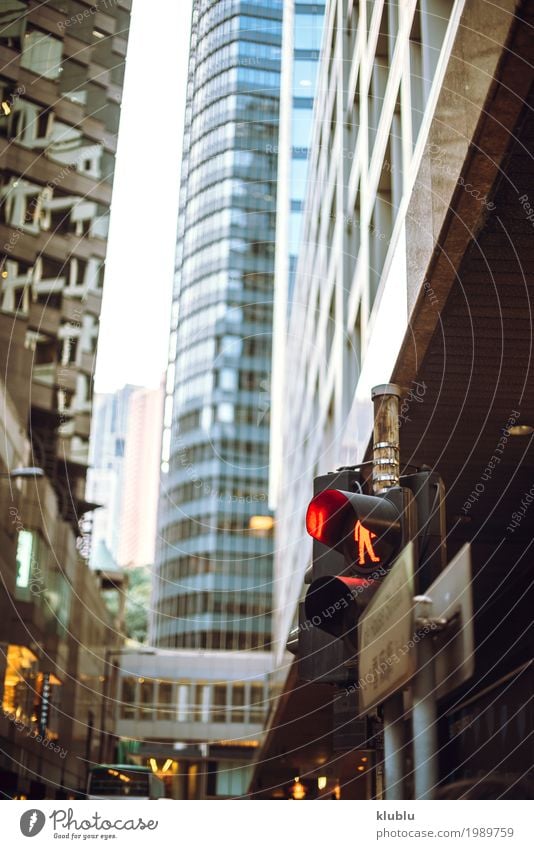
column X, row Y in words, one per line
column 386, row 471
column 88, row 743
column 393, row 747
column 101, row 743
column 379, row 775
column 424, row 718
column 386, row 463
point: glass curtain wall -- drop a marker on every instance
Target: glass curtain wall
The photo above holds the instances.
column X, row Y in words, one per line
column 214, row 565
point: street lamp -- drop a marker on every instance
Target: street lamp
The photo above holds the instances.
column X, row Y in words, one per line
column 24, row 472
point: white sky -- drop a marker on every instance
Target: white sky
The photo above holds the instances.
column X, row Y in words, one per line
column 135, row 316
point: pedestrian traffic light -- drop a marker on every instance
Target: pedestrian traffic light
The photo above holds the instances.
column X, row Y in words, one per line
column 366, row 529
column 356, row 540
column 360, row 521
column 321, row 656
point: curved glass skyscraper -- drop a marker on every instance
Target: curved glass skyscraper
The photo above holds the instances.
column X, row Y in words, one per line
column 214, row 566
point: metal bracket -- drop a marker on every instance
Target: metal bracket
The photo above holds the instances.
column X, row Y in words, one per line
column 430, row 625
column 426, row 624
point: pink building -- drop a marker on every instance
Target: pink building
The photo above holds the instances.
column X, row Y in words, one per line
column 141, row 475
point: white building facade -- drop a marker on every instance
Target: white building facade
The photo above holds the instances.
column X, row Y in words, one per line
column 384, row 164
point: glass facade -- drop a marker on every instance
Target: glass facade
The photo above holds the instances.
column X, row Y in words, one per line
column 307, row 37
column 301, row 56
column 214, row 564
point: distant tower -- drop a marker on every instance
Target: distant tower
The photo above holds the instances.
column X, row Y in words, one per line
column 139, row 503
column 105, row 475
column 214, row 564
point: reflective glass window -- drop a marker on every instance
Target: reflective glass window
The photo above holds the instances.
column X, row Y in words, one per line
column 308, row 31
column 302, row 128
column 304, row 77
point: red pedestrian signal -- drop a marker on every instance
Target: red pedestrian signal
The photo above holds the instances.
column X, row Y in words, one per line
column 364, row 538
column 356, row 540
column 366, row 529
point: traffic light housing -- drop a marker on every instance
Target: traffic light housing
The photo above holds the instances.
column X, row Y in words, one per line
column 356, row 538
column 322, row 657
column 367, row 529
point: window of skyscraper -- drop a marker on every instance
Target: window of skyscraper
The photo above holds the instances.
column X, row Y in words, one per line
column 304, row 77
column 308, row 32
column 301, row 129
column 299, row 170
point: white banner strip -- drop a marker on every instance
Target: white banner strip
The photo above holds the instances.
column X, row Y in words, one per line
column 225, row 826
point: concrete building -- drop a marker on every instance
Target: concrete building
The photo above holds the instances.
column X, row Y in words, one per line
column 61, row 72
column 55, row 628
column 415, row 267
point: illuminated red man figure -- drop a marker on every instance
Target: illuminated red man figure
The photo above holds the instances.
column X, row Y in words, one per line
column 365, row 547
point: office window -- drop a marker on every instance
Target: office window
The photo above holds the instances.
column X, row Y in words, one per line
column 257, row 703
column 25, row 552
column 308, row 32
column 32, row 581
column 165, row 701
column 238, row 703
column 299, row 171
column 301, row 129
column 225, row 413
column 218, row 710
column 232, row 780
column 58, row 594
column 228, row 379
column 231, row 346
column 127, row 709
column 304, row 77
column 146, row 699
column 196, row 689
column 41, row 54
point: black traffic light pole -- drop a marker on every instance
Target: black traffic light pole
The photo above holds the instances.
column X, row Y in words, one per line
column 386, row 474
column 357, row 537
column 357, row 540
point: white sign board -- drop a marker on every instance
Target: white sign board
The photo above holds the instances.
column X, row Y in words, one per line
column 452, row 599
column 385, row 635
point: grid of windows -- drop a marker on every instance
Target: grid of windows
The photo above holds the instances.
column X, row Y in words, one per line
column 192, row 701
column 186, row 566
column 189, row 606
column 229, row 489
column 308, row 31
column 57, row 210
column 223, row 638
column 223, row 449
column 232, row 108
